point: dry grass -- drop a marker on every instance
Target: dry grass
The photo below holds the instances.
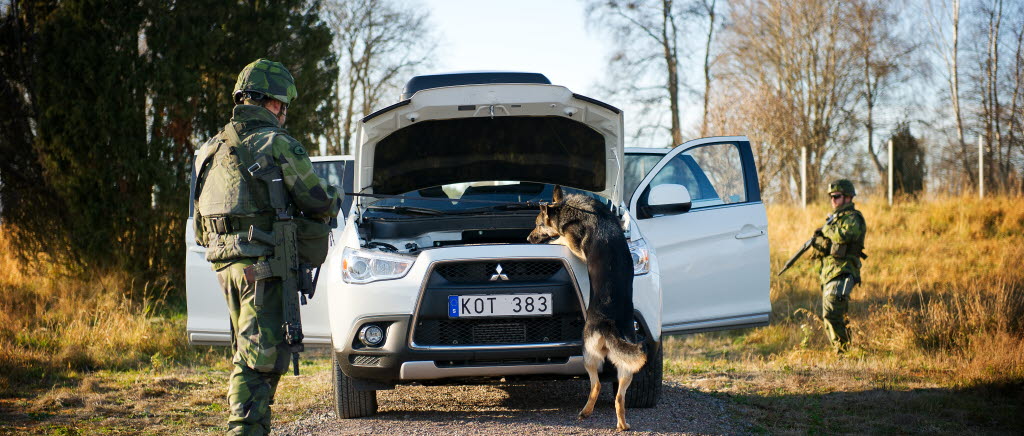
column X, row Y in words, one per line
column 55, row 325
column 937, row 324
column 938, row 331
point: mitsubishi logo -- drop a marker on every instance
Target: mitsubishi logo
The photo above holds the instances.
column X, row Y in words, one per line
column 498, row 275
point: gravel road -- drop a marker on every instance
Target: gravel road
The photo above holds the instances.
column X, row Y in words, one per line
column 537, row 408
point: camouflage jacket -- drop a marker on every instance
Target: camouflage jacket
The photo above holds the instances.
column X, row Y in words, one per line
column 240, row 196
column 846, row 229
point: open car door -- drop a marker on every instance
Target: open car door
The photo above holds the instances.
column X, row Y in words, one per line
column 713, row 255
column 208, row 322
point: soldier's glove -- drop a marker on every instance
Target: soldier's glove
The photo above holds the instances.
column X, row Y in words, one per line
column 821, row 244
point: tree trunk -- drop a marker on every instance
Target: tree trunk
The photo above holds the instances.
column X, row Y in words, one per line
column 707, row 65
column 671, row 60
column 954, row 90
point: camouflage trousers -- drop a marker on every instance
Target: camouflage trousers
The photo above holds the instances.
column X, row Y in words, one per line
column 260, row 355
column 835, row 302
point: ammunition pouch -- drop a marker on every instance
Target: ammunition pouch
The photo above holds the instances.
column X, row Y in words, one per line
column 233, row 246
column 223, row 225
column 258, row 271
column 313, row 240
column 822, row 245
column 847, row 250
column 257, row 274
column 305, row 280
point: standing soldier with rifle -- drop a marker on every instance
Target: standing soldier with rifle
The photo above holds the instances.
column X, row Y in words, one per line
column 839, row 246
column 263, row 215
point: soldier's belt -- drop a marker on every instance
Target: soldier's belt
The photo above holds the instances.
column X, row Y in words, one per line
column 223, row 225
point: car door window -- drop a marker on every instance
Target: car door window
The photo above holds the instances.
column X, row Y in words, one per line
column 722, row 171
column 713, row 174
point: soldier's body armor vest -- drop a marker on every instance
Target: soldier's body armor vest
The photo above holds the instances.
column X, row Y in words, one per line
column 854, row 249
column 843, row 258
column 228, row 199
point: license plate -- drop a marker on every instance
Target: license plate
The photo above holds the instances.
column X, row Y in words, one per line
column 476, row 306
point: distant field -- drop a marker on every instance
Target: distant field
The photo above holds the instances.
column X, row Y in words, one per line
column 938, row 335
column 937, row 328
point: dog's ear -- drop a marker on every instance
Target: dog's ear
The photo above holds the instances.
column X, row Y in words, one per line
column 557, row 195
column 550, row 213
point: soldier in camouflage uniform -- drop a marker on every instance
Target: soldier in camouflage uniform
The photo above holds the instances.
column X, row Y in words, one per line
column 840, row 248
column 228, row 201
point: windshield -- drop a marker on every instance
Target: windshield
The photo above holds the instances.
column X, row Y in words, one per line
column 472, row 197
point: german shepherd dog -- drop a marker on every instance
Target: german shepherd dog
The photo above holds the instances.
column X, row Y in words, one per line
column 594, row 234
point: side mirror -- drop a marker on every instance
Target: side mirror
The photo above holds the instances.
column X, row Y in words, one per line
column 669, row 199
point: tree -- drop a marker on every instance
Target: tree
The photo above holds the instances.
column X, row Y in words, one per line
column 23, row 188
column 380, row 44
column 949, row 52
column 908, row 160
column 709, row 10
column 797, row 59
column 108, row 100
column 645, row 66
column 996, row 89
column 882, row 57
column 1015, row 117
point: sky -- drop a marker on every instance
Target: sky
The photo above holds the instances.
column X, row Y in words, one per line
column 547, row 37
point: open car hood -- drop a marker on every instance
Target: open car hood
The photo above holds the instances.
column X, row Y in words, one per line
column 466, row 133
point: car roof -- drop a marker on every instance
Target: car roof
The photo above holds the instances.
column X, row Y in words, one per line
column 647, row 150
column 330, row 158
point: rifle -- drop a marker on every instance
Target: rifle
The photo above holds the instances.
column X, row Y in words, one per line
column 799, row 253
column 284, row 264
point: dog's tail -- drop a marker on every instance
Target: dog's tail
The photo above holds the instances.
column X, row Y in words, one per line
column 625, row 355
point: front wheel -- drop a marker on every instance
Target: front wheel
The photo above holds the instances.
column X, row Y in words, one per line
column 645, row 390
column 350, row 402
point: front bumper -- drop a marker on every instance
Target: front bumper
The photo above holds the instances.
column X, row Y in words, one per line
column 396, row 362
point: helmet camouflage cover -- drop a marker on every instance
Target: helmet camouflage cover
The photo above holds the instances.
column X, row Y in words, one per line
column 842, row 186
column 268, row 78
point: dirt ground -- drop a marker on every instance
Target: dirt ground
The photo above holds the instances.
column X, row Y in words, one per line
column 541, row 408
column 823, row 397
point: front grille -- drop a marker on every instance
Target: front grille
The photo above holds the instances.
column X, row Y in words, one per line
column 502, row 331
column 514, row 270
column 433, row 327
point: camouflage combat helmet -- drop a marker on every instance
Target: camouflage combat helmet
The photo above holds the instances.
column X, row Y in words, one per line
column 842, row 186
column 268, row 78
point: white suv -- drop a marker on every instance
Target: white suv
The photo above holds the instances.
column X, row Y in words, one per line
column 432, row 281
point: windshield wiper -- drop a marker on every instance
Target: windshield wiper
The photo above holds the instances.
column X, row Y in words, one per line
column 504, row 207
column 517, row 206
column 408, row 210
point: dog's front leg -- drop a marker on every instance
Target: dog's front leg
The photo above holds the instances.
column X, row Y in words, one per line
column 625, row 378
column 592, row 362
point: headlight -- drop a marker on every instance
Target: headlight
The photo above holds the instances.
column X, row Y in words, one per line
column 365, row 266
column 641, row 257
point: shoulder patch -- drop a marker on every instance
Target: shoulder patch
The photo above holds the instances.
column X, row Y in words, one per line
column 298, row 150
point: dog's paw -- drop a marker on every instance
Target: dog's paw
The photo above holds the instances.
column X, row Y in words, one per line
column 623, row 426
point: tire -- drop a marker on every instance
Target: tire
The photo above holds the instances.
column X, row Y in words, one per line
column 348, row 401
column 645, row 390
